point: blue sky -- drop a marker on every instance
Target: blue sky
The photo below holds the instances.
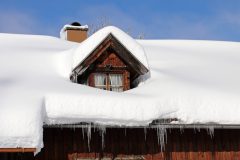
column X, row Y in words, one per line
column 156, row 19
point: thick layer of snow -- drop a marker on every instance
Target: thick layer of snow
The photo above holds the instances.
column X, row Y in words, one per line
column 194, row 81
column 200, row 78
column 92, row 42
column 105, row 108
column 30, row 67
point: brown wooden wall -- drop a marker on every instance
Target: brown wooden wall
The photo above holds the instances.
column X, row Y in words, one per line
column 111, row 59
column 60, row 144
column 16, row 156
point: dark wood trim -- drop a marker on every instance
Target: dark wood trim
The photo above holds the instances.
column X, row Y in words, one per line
column 111, row 70
column 152, row 125
column 128, row 57
column 15, row 150
column 94, row 55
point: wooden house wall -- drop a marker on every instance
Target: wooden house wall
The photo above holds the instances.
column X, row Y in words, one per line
column 111, row 59
column 189, row 144
column 17, row 156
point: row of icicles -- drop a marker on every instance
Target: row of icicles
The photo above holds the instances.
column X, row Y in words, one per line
column 161, row 133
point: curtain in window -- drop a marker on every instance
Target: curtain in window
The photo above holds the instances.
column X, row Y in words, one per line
column 100, row 80
column 116, row 82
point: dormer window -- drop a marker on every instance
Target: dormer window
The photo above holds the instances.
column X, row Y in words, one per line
column 109, row 67
column 111, row 82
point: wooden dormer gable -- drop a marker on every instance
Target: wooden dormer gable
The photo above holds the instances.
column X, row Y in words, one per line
column 109, row 60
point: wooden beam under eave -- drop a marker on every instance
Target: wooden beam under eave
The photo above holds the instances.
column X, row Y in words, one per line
column 16, row 150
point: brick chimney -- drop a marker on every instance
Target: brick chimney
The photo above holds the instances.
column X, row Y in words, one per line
column 74, row 32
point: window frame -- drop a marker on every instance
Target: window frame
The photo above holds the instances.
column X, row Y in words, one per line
column 108, row 86
column 115, row 86
column 104, row 87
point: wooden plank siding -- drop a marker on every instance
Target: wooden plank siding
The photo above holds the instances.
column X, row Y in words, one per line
column 189, row 144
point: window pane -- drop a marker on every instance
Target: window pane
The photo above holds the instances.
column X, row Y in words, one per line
column 117, row 89
column 100, row 80
column 116, row 79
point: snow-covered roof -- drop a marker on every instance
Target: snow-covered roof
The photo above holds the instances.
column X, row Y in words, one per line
column 193, row 81
column 87, row 46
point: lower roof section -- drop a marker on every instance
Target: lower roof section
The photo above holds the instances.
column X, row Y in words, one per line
column 152, row 125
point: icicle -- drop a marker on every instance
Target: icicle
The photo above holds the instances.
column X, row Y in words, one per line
column 194, row 129
column 83, row 131
column 162, row 136
column 89, row 135
column 198, row 129
column 102, row 131
column 181, row 129
column 210, row 131
column 125, row 132
column 145, row 133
